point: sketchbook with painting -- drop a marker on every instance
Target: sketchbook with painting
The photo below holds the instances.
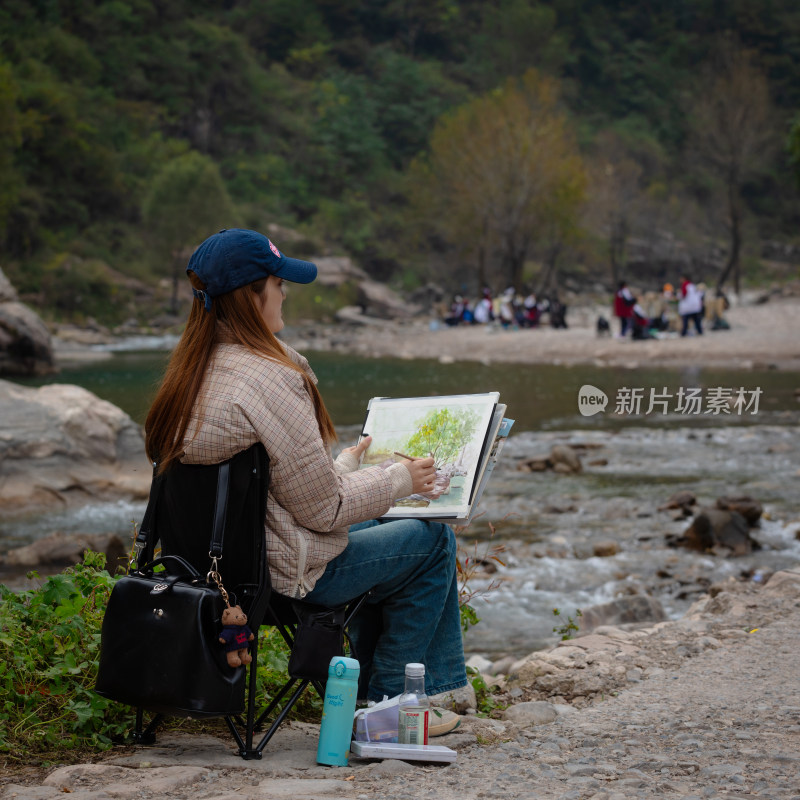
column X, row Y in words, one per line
column 464, row 434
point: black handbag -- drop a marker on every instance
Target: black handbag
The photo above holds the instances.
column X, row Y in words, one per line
column 159, row 644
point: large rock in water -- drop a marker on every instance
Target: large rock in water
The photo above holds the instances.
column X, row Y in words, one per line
column 717, row 531
column 61, row 445
column 627, row 610
column 25, row 347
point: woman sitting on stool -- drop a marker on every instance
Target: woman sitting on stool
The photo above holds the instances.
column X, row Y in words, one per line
column 231, row 383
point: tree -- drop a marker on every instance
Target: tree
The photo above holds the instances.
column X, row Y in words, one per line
column 503, row 170
column 414, row 19
column 732, row 133
column 187, row 203
column 9, row 141
column 793, row 146
column 615, row 198
column 511, row 36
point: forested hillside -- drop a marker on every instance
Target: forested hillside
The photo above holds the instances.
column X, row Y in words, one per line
column 457, row 140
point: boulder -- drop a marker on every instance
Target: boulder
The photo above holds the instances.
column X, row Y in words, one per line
column 458, row 700
column 62, row 445
column 8, row 294
column 479, row 663
column 605, row 548
column 565, row 459
column 533, row 465
column 378, row 300
column 66, row 549
column 680, row 500
column 25, row 345
column 429, row 298
column 785, row 583
column 353, row 315
column 374, row 299
column 720, row 532
column 750, row 509
column 624, row 610
column 537, row 712
column 336, row 270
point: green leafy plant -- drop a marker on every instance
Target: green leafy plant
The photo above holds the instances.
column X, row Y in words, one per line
column 486, row 702
column 469, row 617
column 49, row 653
column 271, row 672
column 566, row 629
column 49, row 650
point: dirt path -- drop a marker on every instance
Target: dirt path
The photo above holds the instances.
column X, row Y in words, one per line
column 710, row 709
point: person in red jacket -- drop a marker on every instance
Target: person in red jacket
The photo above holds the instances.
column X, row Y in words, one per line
column 623, row 307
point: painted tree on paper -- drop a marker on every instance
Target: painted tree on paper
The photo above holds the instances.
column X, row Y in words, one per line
column 443, row 433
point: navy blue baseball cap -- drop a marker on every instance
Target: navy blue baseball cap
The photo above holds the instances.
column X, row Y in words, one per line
column 235, row 257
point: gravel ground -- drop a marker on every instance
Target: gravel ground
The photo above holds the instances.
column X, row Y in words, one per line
column 760, row 335
column 711, row 711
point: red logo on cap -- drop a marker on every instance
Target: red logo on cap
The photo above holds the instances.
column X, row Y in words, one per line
column 274, row 249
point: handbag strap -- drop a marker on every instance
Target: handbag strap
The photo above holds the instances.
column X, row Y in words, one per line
column 220, row 509
column 174, row 565
column 145, row 543
column 146, row 537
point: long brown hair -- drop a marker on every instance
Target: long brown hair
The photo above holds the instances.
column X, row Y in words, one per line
column 239, row 312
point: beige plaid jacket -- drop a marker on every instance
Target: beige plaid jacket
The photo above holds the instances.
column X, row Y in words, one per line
column 247, row 398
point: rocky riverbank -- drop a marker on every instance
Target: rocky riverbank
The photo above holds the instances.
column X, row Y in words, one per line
column 764, row 332
column 60, row 446
column 707, row 706
column 761, row 334
column 607, row 533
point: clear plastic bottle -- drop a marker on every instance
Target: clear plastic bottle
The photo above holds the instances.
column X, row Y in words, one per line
column 413, row 708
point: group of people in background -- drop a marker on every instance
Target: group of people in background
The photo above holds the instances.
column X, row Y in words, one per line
column 689, row 301
column 641, row 318
column 508, row 310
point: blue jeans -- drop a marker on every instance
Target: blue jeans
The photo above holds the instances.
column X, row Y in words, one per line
column 412, row 613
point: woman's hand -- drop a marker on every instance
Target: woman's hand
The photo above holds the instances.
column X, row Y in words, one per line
column 359, row 449
column 423, row 474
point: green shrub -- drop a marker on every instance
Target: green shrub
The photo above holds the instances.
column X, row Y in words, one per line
column 566, row 629
column 49, row 652
column 484, row 694
column 49, row 649
column 75, row 288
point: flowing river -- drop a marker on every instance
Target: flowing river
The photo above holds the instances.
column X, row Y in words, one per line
column 547, row 522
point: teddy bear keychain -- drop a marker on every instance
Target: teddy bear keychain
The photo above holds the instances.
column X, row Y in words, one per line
column 235, row 635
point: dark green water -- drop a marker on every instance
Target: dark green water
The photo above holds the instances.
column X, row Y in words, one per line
column 538, row 396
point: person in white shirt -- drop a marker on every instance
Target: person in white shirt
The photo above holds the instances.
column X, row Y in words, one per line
column 690, row 306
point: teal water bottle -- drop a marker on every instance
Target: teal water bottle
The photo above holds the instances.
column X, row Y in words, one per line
column 336, row 728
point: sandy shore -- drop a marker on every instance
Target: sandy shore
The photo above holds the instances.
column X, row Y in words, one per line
column 760, row 336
